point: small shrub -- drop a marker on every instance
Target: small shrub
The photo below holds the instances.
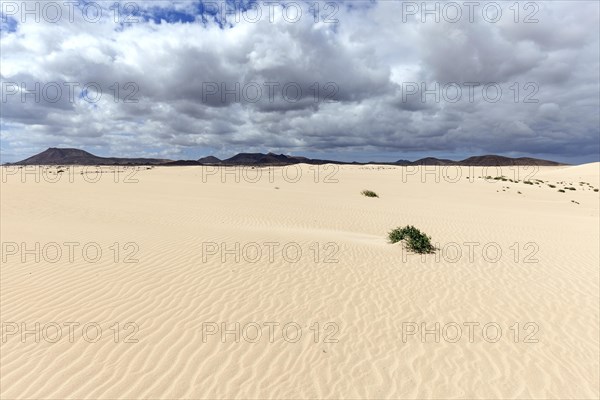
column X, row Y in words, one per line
column 570, row 188
column 528, row 182
column 369, row 193
column 595, row 190
column 416, row 240
column 552, row 186
column 560, row 190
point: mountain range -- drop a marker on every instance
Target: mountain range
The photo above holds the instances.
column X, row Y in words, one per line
column 65, row 156
column 60, row 156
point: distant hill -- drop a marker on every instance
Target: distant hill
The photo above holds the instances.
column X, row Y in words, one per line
column 59, row 156
column 433, row 161
column 492, row 160
column 209, row 160
column 273, row 159
column 481, row 161
column 56, row 156
column 181, row 163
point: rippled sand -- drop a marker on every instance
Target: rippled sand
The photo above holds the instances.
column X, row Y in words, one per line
column 297, row 270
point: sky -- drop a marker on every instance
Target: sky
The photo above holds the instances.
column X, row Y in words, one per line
column 347, row 80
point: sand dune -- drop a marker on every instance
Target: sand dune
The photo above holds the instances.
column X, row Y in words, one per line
column 313, row 258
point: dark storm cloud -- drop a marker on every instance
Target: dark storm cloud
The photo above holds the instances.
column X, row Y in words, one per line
column 176, row 81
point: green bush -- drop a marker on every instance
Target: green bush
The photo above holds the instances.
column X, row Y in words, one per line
column 369, row 193
column 416, row 240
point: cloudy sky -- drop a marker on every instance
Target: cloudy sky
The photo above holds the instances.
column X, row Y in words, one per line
column 351, row 80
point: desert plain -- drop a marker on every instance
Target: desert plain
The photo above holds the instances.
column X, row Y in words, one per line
column 280, row 282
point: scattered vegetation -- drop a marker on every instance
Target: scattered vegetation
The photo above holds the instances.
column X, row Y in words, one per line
column 369, row 193
column 570, row 188
column 573, row 201
column 595, row 190
column 560, row 190
column 528, row 182
column 552, row 186
column 415, row 240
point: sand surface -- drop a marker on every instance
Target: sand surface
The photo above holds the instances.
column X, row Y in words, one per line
column 339, row 310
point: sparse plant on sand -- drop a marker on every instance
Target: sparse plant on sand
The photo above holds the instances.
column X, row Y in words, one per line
column 369, row 193
column 415, row 240
column 561, row 191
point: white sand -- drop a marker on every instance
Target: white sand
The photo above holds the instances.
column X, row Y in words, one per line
column 370, row 297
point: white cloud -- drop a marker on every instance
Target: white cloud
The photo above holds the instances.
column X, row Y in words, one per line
column 363, row 63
